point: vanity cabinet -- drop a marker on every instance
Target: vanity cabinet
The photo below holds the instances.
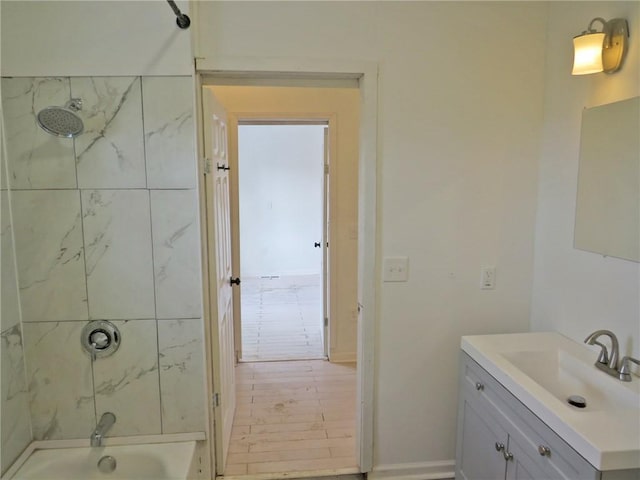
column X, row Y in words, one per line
column 499, row 438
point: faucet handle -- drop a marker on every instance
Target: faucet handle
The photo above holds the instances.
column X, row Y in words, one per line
column 625, row 368
column 604, row 353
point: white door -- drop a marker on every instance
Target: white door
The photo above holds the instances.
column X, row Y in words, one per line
column 220, row 273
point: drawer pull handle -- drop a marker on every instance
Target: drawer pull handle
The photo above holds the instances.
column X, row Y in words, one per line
column 499, row 447
column 544, row 450
column 507, row 456
column 479, row 386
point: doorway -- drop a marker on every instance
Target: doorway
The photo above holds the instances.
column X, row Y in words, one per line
column 243, row 103
column 282, row 220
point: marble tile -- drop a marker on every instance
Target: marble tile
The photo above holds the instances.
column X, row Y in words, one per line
column 176, row 253
column 182, row 375
column 127, row 382
column 48, row 236
column 14, row 402
column 36, row 159
column 60, row 382
column 110, row 152
column 169, row 132
column 9, row 299
column 117, row 238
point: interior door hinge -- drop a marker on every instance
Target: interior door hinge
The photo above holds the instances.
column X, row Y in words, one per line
column 216, row 400
column 208, row 165
column 326, row 169
column 326, row 321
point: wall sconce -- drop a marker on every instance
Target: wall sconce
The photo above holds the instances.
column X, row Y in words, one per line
column 600, row 51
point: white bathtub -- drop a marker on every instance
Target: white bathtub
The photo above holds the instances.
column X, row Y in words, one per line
column 159, row 461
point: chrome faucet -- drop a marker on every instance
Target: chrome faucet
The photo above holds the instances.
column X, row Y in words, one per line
column 606, row 362
column 104, row 425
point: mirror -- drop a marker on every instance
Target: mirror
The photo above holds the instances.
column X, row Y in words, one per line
column 608, row 202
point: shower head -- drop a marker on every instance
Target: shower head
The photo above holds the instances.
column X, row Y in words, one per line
column 62, row 121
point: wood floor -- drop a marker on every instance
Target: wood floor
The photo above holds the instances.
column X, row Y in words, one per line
column 294, row 416
column 282, row 318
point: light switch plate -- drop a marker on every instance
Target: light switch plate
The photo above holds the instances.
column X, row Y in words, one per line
column 488, row 277
column 395, row 269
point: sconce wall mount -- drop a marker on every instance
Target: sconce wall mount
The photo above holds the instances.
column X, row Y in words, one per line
column 603, row 51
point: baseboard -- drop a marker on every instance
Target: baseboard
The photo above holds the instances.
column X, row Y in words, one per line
column 414, row 471
column 340, row 357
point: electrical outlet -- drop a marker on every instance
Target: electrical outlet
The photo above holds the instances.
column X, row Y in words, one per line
column 395, row 269
column 488, row 278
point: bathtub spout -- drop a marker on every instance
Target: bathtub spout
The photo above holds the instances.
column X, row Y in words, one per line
column 104, row 425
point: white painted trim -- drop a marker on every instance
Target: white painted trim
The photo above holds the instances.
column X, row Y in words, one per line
column 368, row 268
column 287, row 67
column 343, row 357
column 108, row 441
column 415, row 471
column 368, row 235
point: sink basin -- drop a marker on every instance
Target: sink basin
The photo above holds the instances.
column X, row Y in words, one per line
column 563, row 375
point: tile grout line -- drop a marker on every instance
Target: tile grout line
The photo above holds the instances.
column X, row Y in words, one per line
column 153, row 254
column 155, row 310
column 84, row 259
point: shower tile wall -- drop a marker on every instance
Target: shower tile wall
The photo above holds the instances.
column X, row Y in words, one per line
column 14, row 404
column 106, row 228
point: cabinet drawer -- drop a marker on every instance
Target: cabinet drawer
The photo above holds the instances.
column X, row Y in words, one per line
column 524, row 427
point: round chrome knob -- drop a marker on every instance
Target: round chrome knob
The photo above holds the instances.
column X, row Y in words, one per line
column 100, row 339
column 499, row 447
column 544, row 450
column 479, row 386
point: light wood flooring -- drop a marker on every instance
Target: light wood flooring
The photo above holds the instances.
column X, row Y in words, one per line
column 293, row 416
column 282, row 318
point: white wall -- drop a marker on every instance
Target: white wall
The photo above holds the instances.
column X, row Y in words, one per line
column 280, row 176
column 460, row 112
column 576, row 292
column 71, row 38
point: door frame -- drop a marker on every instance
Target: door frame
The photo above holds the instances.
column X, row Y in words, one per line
column 300, row 70
column 236, row 119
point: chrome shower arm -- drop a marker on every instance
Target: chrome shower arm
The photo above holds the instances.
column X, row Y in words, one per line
column 182, row 20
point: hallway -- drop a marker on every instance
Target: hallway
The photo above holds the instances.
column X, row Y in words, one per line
column 282, row 318
column 294, row 416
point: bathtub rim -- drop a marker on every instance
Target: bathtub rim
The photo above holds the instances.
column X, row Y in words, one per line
column 108, row 441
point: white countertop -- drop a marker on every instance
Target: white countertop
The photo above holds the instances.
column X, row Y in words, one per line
column 608, row 438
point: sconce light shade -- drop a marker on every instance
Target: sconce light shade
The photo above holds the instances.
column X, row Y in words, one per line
column 587, row 53
column 600, row 51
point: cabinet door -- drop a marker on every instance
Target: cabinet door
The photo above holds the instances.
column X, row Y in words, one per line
column 560, row 462
column 521, row 466
column 478, row 434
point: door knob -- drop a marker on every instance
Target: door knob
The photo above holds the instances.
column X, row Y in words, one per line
column 235, row 281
